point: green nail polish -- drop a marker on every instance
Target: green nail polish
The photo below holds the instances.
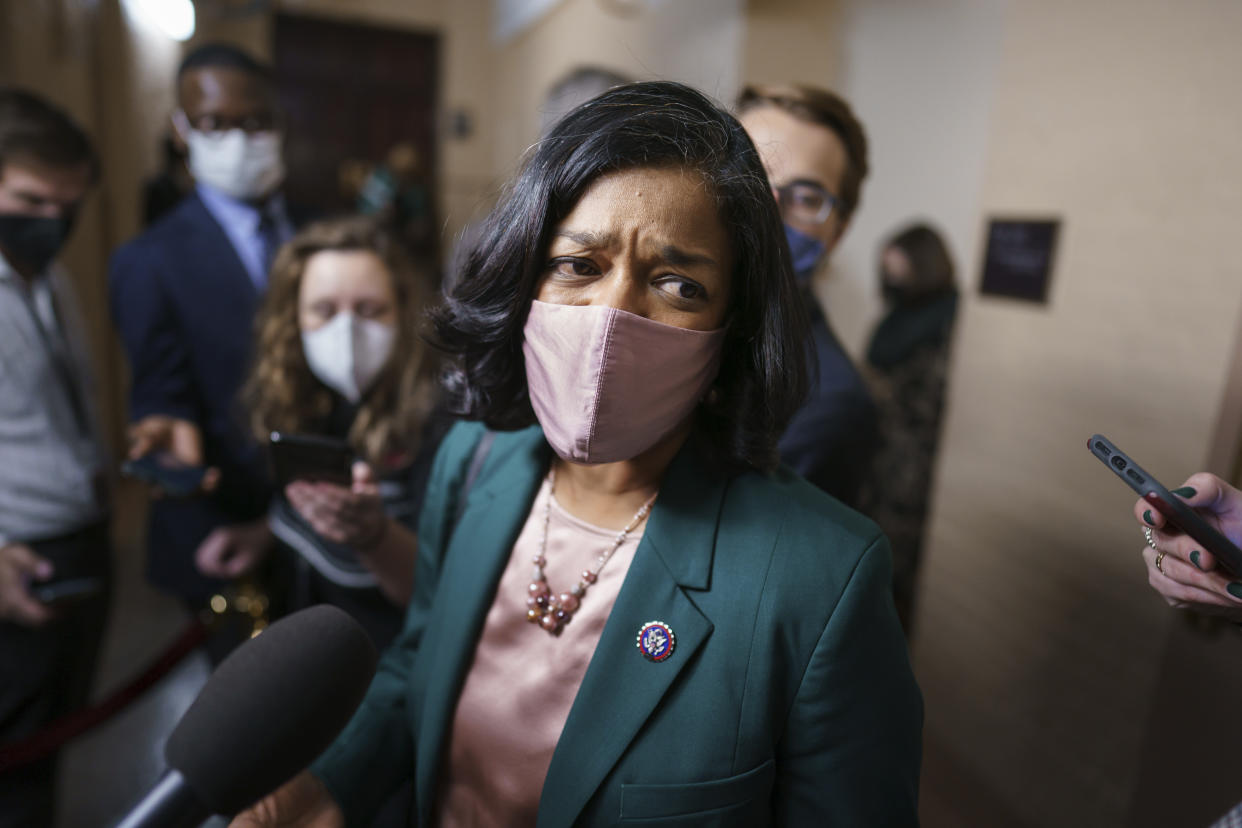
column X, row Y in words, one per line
column 1184, row 491
column 1235, row 589
column 1194, row 559
column 1147, row 517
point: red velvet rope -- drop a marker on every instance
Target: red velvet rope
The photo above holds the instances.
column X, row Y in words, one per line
column 47, row 741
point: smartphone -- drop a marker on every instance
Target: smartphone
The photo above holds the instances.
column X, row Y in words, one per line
column 1175, row 511
column 60, row 593
column 162, row 469
column 310, row 457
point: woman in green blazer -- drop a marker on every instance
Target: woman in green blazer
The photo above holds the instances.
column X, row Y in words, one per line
column 628, row 333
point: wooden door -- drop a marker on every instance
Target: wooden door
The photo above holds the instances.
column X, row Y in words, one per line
column 350, row 93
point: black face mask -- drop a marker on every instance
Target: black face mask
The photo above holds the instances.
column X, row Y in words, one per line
column 33, row 241
column 892, row 294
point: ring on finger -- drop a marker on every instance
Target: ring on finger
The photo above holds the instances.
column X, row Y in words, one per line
column 1159, row 561
column 1151, row 541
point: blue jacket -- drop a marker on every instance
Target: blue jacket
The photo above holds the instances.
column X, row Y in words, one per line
column 832, row 439
column 788, row 700
column 184, row 308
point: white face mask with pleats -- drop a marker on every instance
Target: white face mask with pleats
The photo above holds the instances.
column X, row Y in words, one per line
column 348, row 353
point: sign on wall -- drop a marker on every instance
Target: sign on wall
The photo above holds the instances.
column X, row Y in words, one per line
column 1018, row 261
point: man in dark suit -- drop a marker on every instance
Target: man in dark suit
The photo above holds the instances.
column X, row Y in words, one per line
column 183, row 298
column 815, row 152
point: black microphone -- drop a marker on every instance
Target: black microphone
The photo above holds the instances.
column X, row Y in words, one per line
column 265, row 714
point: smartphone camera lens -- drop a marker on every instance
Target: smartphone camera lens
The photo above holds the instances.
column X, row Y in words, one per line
column 1119, row 462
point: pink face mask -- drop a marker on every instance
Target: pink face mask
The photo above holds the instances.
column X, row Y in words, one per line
column 607, row 385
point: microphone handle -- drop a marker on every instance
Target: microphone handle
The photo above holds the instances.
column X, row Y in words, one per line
column 170, row 804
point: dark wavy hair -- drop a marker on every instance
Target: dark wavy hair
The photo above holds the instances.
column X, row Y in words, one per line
column 762, row 376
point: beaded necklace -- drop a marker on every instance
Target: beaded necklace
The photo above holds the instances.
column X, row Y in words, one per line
column 545, row 607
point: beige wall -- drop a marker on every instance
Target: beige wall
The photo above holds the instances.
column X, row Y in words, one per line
column 792, row 41
column 921, row 77
column 1040, row 647
column 694, row 41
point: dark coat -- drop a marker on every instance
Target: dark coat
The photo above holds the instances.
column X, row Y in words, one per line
column 184, row 307
column 788, row 699
column 832, row 438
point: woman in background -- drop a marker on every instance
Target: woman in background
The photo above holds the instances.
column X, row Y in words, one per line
column 339, row 355
column 907, row 366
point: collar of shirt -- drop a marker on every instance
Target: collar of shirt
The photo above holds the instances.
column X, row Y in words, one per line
column 40, row 289
column 240, row 222
column 8, row 273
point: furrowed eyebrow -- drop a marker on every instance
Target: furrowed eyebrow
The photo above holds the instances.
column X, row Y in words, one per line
column 683, row 258
column 584, row 238
column 671, row 254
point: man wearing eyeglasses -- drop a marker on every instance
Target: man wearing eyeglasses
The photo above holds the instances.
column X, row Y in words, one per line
column 183, row 297
column 815, row 154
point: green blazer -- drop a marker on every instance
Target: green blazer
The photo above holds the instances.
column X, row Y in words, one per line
column 788, row 699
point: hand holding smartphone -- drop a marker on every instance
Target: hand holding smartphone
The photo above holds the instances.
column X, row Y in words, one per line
column 1177, row 513
column 55, row 594
column 162, row 469
column 311, row 458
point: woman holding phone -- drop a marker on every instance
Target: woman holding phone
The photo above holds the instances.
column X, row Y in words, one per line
column 1185, row 574
column 339, row 355
column 624, row 611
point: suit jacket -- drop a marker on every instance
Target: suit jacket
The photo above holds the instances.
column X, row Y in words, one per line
column 833, row 437
column 788, row 699
column 184, row 307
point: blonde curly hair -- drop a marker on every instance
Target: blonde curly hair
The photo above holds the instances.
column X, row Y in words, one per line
column 281, row 393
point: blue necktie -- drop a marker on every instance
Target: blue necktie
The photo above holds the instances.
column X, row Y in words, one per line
column 269, row 241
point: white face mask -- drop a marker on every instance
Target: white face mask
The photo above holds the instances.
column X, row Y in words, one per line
column 239, row 164
column 348, row 353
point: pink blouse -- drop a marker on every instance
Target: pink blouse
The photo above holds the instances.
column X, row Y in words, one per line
column 523, row 680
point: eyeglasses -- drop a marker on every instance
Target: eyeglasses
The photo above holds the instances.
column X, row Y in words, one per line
column 807, row 202
column 216, row 125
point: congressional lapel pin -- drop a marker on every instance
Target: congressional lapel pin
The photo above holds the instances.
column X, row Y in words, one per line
column 656, row 641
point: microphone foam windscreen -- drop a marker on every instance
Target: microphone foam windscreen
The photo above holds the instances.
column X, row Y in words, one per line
column 272, row 707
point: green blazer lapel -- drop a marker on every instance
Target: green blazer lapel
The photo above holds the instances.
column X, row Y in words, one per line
column 622, row 688
column 473, row 564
